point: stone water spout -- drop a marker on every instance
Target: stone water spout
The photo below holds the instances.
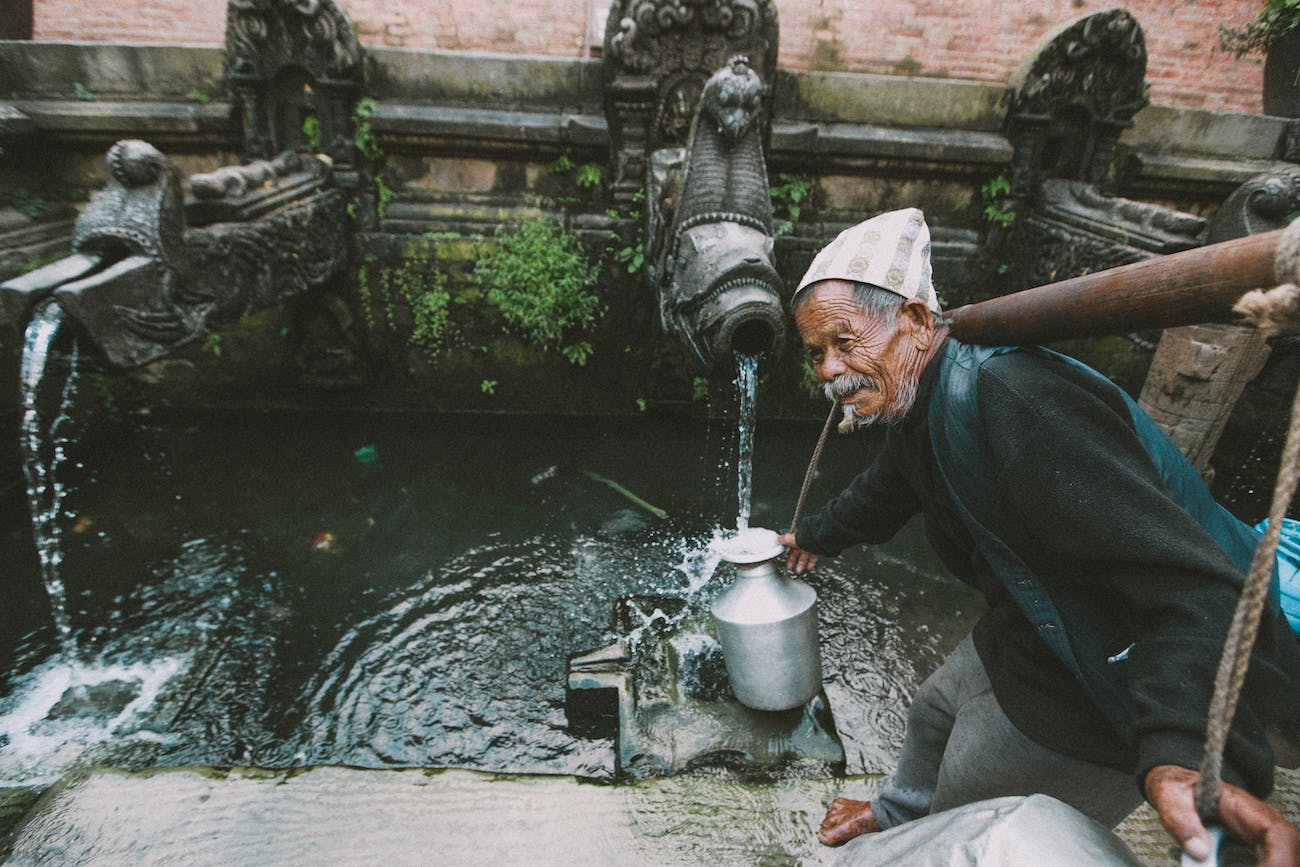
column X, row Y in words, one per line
column 152, row 272
column 710, row 227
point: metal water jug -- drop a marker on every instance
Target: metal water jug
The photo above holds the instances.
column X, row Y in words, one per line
column 767, row 625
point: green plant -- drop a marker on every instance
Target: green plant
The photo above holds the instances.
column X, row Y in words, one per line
column 808, row 379
column 540, row 278
column 1276, row 19
column 589, row 175
column 641, row 404
column 311, row 131
column 562, row 164
column 212, row 345
column 363, row 135
column 82, row 92
column 383, row 195
column 577, row 353
column 787, row 196
column 429, row 314
column 417, row 283
column 27, row 203
column 488, row 386
column 997, row 210
column 199, row 97
column 700, row 388
column 633, row 255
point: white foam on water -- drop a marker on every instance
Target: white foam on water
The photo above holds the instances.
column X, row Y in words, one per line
column 37, row 750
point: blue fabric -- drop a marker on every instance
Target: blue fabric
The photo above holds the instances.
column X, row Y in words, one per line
column 1288, row 568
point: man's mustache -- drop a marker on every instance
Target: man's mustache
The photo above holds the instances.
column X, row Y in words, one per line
column 847, row 383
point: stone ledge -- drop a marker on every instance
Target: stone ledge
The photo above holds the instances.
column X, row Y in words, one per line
column 864, row 140
column 1206, row 170
column 134, row 119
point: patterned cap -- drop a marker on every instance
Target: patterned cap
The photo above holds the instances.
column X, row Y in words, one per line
column 891, row 251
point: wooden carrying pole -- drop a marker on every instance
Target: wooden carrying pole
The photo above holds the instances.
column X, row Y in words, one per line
column 1186, row 288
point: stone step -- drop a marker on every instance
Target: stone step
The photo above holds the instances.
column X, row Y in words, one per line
column 334, row 815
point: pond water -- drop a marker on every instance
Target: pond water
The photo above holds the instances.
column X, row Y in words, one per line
column 386, row 590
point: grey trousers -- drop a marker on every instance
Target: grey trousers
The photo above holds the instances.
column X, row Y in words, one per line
column 960, row 748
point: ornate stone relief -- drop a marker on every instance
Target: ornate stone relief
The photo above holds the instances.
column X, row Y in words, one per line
column 719, row 291
column 160, row 284
column 1071, row 100
column 657, row 56
column 287, row 59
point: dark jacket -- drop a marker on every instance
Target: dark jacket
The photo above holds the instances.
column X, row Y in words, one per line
column 1111, row 574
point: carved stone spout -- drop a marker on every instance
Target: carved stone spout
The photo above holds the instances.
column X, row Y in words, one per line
column 719, row 291
column 143, row 281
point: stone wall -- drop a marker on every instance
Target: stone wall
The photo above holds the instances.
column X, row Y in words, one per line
column 970, row 40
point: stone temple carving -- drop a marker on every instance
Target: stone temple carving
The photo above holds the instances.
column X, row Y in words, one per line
column 657, row 56
column 143, row 281
column 710, row 219
column 287, row 60
column 1070, row 101
column 1072, row 98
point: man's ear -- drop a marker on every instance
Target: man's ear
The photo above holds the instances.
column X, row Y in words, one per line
column 916, row 318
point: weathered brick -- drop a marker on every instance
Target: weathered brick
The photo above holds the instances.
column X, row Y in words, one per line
column 981, row 40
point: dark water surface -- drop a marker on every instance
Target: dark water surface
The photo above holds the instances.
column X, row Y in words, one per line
column 253, row 589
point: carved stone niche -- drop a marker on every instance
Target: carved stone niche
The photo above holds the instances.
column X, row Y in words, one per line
column 290, row 60
column 658, row 54
column 1070, row 101
column 1072, row 97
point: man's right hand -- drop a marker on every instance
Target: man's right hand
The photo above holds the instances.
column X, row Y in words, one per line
column 797, row 560
column 1172, row 791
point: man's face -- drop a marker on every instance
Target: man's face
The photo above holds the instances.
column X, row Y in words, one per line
column 864, row 362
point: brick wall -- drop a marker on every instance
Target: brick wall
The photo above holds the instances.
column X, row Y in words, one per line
column 980, row 40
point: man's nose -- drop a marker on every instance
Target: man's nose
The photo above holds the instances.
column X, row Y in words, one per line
column 833, row 365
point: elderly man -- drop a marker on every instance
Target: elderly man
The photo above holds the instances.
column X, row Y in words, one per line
column 1109, row 573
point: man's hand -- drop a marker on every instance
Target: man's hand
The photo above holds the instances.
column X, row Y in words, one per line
column 1171, row 790
column 797, row 560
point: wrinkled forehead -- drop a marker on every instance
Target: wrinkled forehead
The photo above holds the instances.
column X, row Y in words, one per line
column 831, row 307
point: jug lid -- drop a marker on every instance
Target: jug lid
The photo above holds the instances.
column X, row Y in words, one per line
column 747, row 546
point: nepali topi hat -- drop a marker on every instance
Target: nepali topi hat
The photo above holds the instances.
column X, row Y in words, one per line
column 891, row 251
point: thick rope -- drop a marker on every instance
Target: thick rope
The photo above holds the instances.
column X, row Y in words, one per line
column 812, row 466
column 1245, row 625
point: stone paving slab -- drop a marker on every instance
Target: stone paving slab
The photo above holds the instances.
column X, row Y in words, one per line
column 347, row 816
column 343, row 816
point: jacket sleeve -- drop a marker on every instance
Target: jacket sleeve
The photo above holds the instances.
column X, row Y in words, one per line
column 875, row 506
column 1140, row 585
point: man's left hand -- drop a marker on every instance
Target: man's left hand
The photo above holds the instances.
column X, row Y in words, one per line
column 1172, row 791
column 797, row 560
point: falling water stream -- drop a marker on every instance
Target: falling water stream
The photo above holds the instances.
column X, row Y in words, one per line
column 747, row 401
column 41, row 460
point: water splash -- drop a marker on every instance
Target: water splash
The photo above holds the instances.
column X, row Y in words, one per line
column 44, row 492
column 61, row 711
column 747, row 389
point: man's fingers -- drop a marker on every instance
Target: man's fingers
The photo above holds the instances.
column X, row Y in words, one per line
column 1275, row 842
column 1172, row 791
column 797, row 560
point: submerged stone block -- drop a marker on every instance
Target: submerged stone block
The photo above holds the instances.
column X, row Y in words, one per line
column 661, row 692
